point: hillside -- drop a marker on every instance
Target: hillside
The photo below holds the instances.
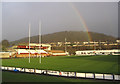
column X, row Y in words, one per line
column 70, row 35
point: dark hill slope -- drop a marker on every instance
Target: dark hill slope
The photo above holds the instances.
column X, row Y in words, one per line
column 70, row 35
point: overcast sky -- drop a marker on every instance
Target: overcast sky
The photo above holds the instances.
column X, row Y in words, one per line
column 99, row 17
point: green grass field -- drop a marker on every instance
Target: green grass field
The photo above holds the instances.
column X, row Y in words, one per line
column 95, row 64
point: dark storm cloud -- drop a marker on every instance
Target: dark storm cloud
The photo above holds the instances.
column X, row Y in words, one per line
column 58, row 16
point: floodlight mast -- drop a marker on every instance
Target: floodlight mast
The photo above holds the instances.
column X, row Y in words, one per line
column 65, row 46
column 29, row 41
column 40, row 41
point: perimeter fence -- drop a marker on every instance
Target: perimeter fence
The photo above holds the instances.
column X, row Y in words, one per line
column 112, row 77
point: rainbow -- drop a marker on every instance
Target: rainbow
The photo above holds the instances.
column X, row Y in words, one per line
column 82, row 21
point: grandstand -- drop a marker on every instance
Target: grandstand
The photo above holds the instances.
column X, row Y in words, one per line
column 22, row 51
column 35, row 50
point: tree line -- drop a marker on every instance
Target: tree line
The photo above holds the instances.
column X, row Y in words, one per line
column 4, row 45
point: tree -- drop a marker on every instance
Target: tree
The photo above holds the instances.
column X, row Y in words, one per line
column 3, row 48
column 5, row 44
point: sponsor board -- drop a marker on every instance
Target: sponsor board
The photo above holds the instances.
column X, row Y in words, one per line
column 108, row 76
column 43, row 71
column 117, row 77
column 29, row 70
column 89, row 75
column 2, row 67
column 99, row 76
column 18, row 69
column 10, row 68
column 22, row 69
column 13, row 68
column 38, row 71
column 80, row 74
column 5, row 68
column 71, row 74
column 63, row 73
column 53, row 72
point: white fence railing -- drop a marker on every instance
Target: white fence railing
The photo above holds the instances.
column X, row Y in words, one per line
column 66, row 74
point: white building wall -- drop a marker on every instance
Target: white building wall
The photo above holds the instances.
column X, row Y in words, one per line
column 98, row 52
